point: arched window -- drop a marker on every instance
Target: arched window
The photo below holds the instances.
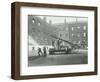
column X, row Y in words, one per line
column 33, row 21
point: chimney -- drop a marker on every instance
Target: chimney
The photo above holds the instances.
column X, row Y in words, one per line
column 50, row 22
column 44, row 18
column 65, row 21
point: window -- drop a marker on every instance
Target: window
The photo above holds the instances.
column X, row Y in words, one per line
column 66, row 28
column 79, row 42
column 84, row 27
column 39, row 24
column 78, row 35
column 33, row 21
column 72, row 28
column 78, row 27
column 84, row 34
column 72, row 34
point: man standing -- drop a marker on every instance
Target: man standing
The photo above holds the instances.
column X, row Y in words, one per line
column 40, row 52
column 44, row 51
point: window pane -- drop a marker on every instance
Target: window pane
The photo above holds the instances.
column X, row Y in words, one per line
column 84, row 27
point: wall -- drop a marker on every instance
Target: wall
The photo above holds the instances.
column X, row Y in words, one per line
column 5, row 40
column 78, row 32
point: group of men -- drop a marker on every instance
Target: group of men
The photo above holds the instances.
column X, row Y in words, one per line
column 41, row 51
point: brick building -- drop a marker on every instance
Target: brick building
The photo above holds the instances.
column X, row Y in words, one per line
column 42, row 31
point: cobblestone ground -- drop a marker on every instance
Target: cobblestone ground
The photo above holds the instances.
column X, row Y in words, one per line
column 76, row 57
